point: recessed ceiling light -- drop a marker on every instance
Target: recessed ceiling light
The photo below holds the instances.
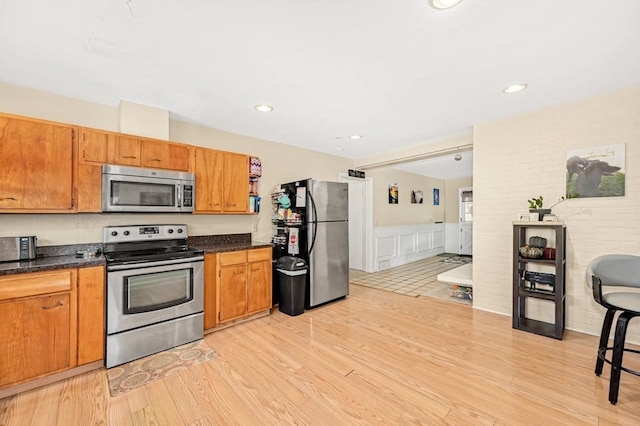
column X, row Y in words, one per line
column 340, row 149
column 355, row 137
column 264, row 108
column 444, row 4
column 515, row 88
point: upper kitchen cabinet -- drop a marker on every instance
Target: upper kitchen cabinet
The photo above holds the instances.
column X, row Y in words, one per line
column 124, row 150
column 36, row 166
column 98, row 146
column 207, row 167
column 221, row 181
column 131, row 151
column 236, row 183
column 92, row 153
column 164, row 155
column 93, row 146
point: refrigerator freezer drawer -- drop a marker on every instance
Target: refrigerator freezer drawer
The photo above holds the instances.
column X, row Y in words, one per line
column 329, row 263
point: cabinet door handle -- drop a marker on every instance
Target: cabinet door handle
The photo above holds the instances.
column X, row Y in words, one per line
column 155, row 159
column 57, row 305
column 129, row 156
column 255, row 269
column 7, row 198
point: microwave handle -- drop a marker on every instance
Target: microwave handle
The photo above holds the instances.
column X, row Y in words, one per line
column 179, row 195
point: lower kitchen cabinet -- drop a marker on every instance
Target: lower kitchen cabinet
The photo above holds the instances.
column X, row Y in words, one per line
column 259, row 280
column 91, row 314
column 51, row 322
column 210, row 274
column 232, row 285
column 243, row 284
column 38, row 335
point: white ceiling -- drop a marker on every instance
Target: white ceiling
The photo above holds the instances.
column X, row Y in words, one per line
column 398, row 72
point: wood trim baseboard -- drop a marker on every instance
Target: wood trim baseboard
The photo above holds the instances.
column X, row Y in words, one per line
column 43, row 381
column 238, row 321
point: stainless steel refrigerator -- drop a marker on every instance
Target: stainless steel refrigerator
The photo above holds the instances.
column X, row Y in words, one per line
column 316, row 214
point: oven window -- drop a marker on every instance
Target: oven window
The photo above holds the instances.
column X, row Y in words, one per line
column 159, row 290
column 142, row 194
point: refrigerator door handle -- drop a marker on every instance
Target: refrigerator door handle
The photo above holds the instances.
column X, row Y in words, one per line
column 314, row 222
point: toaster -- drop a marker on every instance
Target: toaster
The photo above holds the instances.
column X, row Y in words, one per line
column 17, row 248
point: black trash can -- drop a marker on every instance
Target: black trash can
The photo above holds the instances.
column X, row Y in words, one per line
column 292, row 281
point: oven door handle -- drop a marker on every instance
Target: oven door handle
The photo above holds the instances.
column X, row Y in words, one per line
column 155, row 263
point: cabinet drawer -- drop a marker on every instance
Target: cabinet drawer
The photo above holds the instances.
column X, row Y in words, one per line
column 24, row 285
column 233, row 258
column 259, row 254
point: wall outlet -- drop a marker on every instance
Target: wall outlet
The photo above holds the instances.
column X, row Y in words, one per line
column 254, row 227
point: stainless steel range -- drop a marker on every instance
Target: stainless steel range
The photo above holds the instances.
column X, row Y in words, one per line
column 155, row 290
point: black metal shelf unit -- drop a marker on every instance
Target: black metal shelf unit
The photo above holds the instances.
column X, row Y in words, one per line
column 524, row 282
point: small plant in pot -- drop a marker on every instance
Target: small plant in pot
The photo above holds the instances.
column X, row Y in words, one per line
column 535, row 206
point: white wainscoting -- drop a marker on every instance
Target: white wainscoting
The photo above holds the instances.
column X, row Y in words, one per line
column 399, row 245
column 452, row 238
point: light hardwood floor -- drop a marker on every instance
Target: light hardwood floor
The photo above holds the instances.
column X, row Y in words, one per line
column 375, row 358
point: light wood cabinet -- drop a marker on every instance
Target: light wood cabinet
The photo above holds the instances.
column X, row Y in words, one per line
column 232, row 287
column 91, row 314
column 92, row 153
column 36, row 163
column 45, row 169
column 128, row 150
column 92, row 146
column 38, row 334
column 96, row 146
column 236, row 183
column 207, row 167
column 259, row 280
column 244, row 285
column 210, row 283
column 164, row 155
column 124, row 150
column 222, row 181
column 51, row 322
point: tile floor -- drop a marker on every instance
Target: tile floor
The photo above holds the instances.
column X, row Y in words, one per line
column 414, row 279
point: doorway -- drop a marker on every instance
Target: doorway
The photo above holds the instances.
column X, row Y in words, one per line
column 465, row 224
column 360, row 221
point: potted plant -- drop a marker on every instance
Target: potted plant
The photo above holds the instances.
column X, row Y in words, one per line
column 535, row 206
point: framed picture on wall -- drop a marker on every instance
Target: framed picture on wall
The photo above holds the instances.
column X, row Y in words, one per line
column 596, row 172
column 436, row 196
column 416, row 197
column 393, row 193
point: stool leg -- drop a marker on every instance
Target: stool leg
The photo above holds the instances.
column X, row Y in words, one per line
column 604, row 340
column 618, row 351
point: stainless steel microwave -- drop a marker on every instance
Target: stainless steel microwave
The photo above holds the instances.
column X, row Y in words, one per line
column 141, row 190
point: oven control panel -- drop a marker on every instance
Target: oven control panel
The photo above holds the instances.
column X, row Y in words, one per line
column 131, row 233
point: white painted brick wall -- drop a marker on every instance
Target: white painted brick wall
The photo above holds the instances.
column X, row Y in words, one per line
column 524, row 157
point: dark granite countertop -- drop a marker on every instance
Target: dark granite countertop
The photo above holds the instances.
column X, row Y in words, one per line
column 221, row 243
column 219, row 248
column 50, row 258
column 50, row 263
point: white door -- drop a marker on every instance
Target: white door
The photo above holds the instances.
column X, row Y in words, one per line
column 466, row 220
column 357, row 199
